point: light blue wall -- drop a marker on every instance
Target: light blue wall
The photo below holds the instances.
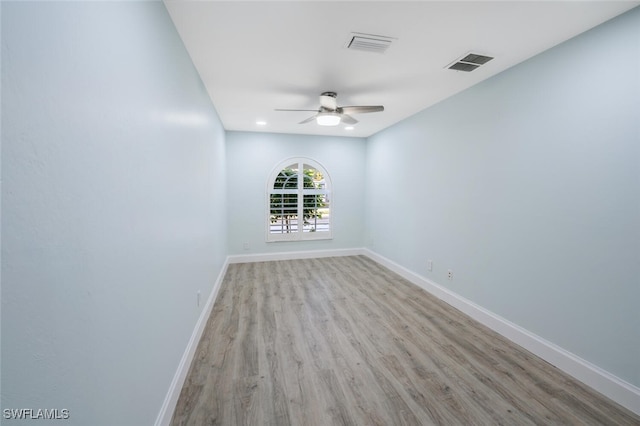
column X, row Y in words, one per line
column 250, row 159
column 113, row 195
column 115, row 201
column 527, row 186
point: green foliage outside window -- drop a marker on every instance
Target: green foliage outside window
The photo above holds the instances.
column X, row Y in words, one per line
column 284, row 207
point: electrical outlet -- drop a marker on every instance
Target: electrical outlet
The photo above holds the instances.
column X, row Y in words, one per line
column 245, row 246
column 429, row 265
column 449, row 274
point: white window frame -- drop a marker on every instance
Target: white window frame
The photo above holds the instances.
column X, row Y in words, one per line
column 299, row 234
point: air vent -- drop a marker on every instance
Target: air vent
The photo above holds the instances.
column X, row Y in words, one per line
column 368, row 42
column 469, row 62
column 463, row 66
column 476, row 59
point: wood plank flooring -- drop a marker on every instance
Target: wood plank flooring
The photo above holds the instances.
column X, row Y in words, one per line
column 345, row 341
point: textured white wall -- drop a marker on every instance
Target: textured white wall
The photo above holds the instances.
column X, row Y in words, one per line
column 113, row 195
column 250, row 159
column 527, row 186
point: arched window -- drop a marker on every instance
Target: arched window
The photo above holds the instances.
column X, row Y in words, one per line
column 299, row 201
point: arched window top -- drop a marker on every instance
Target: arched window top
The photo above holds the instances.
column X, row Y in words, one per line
column 298, row 200
column 297, row 163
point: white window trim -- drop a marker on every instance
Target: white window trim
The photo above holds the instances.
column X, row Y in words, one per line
column 299, row 235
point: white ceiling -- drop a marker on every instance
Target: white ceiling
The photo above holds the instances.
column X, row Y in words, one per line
column 254, row 57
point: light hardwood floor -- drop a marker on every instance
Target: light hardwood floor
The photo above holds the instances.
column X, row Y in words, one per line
column 345, row 341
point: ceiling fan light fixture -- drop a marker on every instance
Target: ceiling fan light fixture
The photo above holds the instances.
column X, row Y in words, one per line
column 330, row 114
column 328, row 119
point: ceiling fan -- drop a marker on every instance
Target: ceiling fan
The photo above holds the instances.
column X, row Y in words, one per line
column 330, row 114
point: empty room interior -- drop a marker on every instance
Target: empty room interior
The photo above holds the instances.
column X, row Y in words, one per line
column 320, row 212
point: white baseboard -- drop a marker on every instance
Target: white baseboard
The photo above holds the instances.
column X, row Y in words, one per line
column 171, row 399
column 593, row 376
column 289, row 255
column 602, row 381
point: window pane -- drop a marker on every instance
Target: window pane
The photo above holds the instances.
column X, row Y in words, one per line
column 315, row 201
column 284, row 202
column 283, row 213
column 287, row 178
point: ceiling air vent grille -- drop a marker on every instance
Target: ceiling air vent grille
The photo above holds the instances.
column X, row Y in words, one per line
column 469, row 62
column 368, row 42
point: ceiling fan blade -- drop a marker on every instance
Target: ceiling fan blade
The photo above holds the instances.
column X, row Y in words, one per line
column 360, row 109
column 347, row 119
column 310, row 110
column 313, row 117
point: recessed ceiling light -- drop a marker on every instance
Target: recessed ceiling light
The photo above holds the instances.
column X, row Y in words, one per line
column 261, row 123
column 349, row 128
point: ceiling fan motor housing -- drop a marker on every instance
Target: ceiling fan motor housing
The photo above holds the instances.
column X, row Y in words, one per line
column 328, row 100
